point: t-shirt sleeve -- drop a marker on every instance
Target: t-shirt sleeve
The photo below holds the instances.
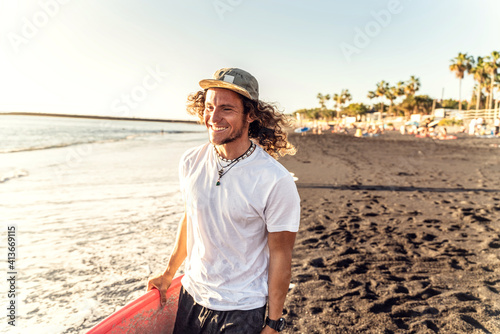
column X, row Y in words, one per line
column 283, row 207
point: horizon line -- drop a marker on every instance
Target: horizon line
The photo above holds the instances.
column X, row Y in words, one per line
column 121, row 118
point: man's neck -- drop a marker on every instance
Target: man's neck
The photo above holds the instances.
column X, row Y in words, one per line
column 233, row 150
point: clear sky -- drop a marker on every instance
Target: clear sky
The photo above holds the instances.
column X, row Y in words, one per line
column 142, row 58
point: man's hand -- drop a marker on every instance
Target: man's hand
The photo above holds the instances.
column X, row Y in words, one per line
column 162, row 283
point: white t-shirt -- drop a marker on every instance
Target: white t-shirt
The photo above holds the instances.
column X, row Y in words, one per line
column 227, row 254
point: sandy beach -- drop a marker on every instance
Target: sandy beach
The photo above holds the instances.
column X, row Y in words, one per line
column 398, row 235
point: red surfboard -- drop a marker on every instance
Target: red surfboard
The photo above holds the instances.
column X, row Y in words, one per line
column 144, row 315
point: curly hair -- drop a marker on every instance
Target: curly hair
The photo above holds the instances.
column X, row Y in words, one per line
column 267, row 129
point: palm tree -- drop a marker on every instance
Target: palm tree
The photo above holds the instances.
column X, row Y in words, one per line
column 488, row 89
column 424, row 103
column 391, row 94
column 400, row 89
column 479, row 73
column 496, row 84
column 459, row 66
column 345, row 96
column 491, row 66
column 322, row 99
column 371, row 94
column 412, row 85
column 381, row 91
column 336, row 101
column 407, row 106
column 474, row 97
column 341, row 98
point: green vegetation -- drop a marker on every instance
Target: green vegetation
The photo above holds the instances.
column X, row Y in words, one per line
column 461, row 64
column 342, row 98
column 453, row 104
column 451, row 122
column 316, row 113
column 415, row 104
column 402, row 89
column 355, row 109
column 483, row 69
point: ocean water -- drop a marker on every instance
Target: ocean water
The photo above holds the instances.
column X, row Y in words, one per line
column 95, row 204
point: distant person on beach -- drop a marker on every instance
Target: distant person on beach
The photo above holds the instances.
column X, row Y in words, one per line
column 496, row 124
column 425, row 128
column 442, row 134
column 472, row 127
column 480, row 126
column 242, row 212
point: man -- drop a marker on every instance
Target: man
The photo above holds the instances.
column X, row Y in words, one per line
column 242, row 212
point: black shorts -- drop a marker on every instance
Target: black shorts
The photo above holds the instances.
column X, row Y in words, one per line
column 193, row 318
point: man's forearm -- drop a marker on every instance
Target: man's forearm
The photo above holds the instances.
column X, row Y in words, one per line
column 279, row 281
column 179, row 252
column 162, row 282
column 280, row 270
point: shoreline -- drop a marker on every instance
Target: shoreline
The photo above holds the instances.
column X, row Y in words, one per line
column 97, row 117
column 75, row 210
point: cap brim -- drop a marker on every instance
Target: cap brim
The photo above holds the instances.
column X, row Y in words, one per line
column 211, row 83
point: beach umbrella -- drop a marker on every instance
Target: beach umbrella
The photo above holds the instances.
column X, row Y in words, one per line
column 303, row 129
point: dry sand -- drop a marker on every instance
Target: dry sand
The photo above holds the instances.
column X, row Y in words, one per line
column 398, row 235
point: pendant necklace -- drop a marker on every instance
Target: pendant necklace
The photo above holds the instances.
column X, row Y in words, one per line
column 232, row 163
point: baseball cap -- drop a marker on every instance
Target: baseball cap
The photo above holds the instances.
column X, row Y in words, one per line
column 236, row 80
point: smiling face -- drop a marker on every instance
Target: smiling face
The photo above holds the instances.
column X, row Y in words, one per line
column 224, row 118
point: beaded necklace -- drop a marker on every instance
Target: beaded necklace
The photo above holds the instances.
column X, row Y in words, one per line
column 231, row 163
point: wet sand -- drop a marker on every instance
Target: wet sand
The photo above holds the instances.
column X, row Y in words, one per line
column 398, row 235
